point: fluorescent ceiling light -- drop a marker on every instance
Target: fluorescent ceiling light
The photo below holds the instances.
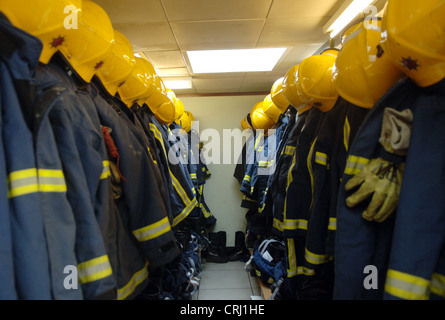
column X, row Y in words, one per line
column 179, row 83
column 342, row 20
column 234, row 60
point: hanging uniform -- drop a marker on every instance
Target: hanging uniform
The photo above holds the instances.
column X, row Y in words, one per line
column 183, row 195
column 142, row 184
column 83, row 155
column 316, row 257
column 19, row 55
column 360, row 243
column 345, row 136
column 275, row 197
column 416, row 269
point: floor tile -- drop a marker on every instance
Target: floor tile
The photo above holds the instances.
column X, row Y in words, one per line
column 225, row 294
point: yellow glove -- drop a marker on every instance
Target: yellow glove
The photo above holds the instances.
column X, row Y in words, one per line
column 382, row 180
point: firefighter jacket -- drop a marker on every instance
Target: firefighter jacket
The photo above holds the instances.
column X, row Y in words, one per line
column 182, row 193
column 275, row 197
column 83, row 155
column 411, row 271
column 299, row 186
column 142, row 187
column 24, row 252
column 416, row 269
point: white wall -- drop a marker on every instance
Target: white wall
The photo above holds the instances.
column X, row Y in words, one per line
column 222, row 190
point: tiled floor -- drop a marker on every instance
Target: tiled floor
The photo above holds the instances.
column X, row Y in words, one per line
column 227, row 281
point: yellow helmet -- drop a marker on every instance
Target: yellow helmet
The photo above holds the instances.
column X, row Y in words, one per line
column 359, row 75
column 261, row 121
column 314, row 81
column 333, row 52
column 277, row 95
column 44, row 19
column 166, row 112
column 185, row 121
column 118, row 64
column 245, row 124
column 289, row 87
column 413, row 38
column 179, row 108
column 137, row 88
column 270, row 109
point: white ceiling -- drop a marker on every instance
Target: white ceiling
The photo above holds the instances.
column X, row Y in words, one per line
column 165, row 29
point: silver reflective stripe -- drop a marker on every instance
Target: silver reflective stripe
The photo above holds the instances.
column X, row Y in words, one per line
column 406, row 286
column 135, row 280
column 94, row 269
column 153, row 230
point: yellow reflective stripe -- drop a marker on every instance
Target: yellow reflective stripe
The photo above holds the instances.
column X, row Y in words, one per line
column 247, row 178
column 309, row 167
column 193, row 176
column 158, row 136
column 153, row 230
column 33, row 180
column 289, row 181
column 294, row 224
column 438, row 284
column 51, row 180
column 22, row 182
column 406, row 286
column 265, row 163
column 314, row 258
column 204, row 210
column 258, row 139
column 332, row 225
column 135, row 280
column 246, row 198
column 185, row 212
column 346, row 133
column 94, row 269
column 289, row 150
column 106, row 172
column 321, row 158
column 292, row 270
column 355, row 164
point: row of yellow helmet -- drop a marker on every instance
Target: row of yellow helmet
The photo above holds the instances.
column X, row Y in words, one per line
column 408, row 41
column 82, row 31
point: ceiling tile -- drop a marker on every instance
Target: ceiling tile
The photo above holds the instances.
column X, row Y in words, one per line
column 148, row 36
column 172, row 72
column 286, row 9
column 255, row 82
column 133, row 11
column 217, row 85
column 166, row 59
column 295, row 55
column 217, row 34
column 198, row 10
column 290, row 32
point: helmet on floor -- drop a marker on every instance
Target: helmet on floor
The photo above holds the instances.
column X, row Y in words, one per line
column 51, row 31
column 413, row 38
column 361, row 76
column 138, row 86
column 277, row 95
column 314, row 81
column 118, row 64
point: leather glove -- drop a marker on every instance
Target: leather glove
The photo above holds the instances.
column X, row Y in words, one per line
column 382, row 180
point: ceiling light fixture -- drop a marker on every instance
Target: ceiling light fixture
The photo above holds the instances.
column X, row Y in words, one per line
column 234, row 60
column 178, row 83
column 347, row 12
